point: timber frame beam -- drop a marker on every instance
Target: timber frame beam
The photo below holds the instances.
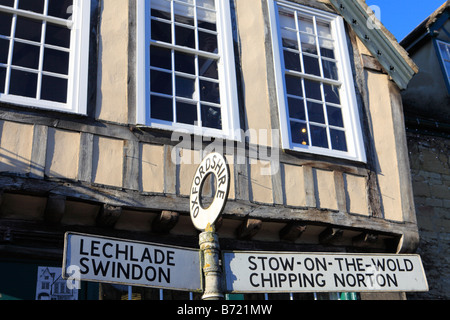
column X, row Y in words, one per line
column 113, row 201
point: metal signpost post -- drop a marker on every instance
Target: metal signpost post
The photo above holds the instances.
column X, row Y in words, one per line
column 204, row 219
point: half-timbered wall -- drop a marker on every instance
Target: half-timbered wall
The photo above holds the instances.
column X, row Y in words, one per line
column 103, row 170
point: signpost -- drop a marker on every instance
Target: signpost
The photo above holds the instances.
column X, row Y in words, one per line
column 110, row 260
column 102, row 259
column 304, row 272
column 204, row 218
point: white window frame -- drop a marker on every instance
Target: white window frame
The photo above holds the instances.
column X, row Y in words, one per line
column 350, row 112
column 227, row 75
column 445, row 71
column 77, row 84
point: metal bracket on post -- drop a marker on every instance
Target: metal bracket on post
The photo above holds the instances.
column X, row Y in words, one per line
column 209, row 246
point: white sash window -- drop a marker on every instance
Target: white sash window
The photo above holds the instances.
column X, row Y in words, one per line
column 44, row 49
column 316, row 97
column 186, row 77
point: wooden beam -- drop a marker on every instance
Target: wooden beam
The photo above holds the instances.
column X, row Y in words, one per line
column 108, row 216
column 55, row 208
column 165, row 222
column 330, row 235
column 131, row 165
column 38, row 152
column 292, row 231
column 365, row 239
column 248, row 229
column 85, row 157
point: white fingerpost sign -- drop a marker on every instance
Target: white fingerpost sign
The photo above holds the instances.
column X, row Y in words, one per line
column 213, row 164
column 102, row 259
column 247, row 272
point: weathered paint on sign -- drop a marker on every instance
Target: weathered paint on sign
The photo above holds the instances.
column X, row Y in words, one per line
column 102, row 259
column 304, row 272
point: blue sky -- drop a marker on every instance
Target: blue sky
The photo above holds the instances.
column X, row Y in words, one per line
column 400, row 17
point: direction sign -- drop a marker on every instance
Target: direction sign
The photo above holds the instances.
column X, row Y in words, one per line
column 102, row 259
column 216, row 165
column 313, row 272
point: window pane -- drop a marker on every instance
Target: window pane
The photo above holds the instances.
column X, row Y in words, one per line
column 315, row 112
column 186, row 113
column 326, row 48
column 331, row 94
column 26, row 55
column 209, row 4
column 2, row 79
column 23, row 83
column 9, row 3
column 211, row 117
column 5, row 24
column 4, row 50
column 312, row 89
column 338, row 140
column 161, row 58
column 161, row 8
column 294, row 85
column 311, row 65
column 185, row 87
column 208, row 68
column 319, row 137
column 185, row 37
column 330, row 70
column 209, row 91
column 161, row 31
column 309, row 44
column 335, row 116
column 296, row 109
column 328, row 53
column 54, row 89
column 207, row 42
column 206, row 19
column 447, row 66
column 56, row 61
column 60, row 8
column 32, row 5
column 299, row 133
column 306, row 24
column 286, row 18
column 292, row 61
column 185, row 62
column 184, row 14
column 290, row 43
column 28, row 29
column 445, row 50
column 161, row 82
column 323, row 29
column 57, row 35
column 161, row 108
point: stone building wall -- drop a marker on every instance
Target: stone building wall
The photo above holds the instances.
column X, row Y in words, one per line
column 430, row 171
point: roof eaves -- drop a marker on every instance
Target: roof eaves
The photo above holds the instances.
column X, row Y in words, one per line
column 411, row 39
column 378, row 40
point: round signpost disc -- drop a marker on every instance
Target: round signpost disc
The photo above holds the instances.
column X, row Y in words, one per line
column 216, row 166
